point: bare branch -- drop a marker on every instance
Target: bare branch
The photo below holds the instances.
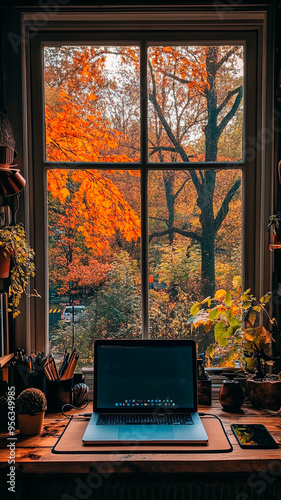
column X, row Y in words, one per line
column 226, row 57
column 187, row 234
column 231, row 113
column 229, row 95
column 155, row 149
column 174, row 77
column 223, row 211
column 179, row 148
column 182, row 186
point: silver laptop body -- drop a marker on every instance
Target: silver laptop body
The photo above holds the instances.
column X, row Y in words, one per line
column 145, row 391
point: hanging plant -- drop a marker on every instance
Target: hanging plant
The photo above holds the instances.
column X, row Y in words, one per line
column 13, row 243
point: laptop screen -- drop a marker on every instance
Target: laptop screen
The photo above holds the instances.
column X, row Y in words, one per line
column 145, row 375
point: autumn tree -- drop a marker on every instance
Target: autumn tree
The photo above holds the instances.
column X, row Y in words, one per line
column 87, row 211
column 208, row 94
column 93, row 115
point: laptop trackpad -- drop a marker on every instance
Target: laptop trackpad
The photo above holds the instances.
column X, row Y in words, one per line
column 145, row 433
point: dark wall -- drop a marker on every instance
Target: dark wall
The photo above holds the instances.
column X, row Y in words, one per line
column 11, row 43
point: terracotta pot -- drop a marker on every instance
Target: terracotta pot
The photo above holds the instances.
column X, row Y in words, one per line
column 11, row 180
column 4, row 265
column 231, row 395
column 30, row 425
column 265, row 394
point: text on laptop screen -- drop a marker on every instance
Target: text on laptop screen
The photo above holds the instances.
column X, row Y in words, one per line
column 149, row 377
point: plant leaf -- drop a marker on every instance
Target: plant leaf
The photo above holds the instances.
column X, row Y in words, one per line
column 221, row 334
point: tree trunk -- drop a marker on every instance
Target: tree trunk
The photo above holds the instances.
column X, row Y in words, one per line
column 208, row 264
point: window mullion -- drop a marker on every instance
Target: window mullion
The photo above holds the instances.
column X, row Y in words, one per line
column 144, row 197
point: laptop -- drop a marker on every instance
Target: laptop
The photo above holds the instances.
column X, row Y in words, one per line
column 145, row 391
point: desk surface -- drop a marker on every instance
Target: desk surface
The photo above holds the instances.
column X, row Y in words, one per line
column 33, row 454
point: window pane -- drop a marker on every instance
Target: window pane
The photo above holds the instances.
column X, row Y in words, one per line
column 92, row 103
column 195, row 227
column 94, row 258
column 195, row 103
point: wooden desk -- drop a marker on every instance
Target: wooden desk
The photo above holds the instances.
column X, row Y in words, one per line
column 240, row 474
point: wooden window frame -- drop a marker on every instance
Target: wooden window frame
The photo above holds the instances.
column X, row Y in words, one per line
column 106, row 24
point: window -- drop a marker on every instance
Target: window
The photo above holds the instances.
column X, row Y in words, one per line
column 143, row 158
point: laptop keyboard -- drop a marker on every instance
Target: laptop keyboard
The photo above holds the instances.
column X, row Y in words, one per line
column 129, row 419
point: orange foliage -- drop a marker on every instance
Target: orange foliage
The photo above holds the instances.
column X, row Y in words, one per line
column 84, row 276
column 94, row 206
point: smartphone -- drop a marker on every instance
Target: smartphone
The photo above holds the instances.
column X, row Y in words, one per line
column 253, row 436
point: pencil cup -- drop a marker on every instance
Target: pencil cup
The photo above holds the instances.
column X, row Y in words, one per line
column 59, row 393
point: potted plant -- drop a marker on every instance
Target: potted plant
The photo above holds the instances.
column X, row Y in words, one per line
column 14, row 247
column 274, row 224
column 31, row 405
column 239, row 339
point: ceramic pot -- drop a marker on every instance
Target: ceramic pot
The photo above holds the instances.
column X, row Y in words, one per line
column 231, row 395
column 265, row 393
column 4, row 265
column 11, row 180
column 30, row 425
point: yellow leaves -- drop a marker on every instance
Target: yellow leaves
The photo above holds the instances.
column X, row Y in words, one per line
column 266, row 298
column 210, row 351
column 251, row 318
column 195, row 309
column 233, row 316
column 220, row 295
column 237, row 281
column 260, row 335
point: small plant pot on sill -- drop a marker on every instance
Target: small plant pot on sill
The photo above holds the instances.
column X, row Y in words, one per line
column 30, row 425
column 31, row 405
column 265, row 393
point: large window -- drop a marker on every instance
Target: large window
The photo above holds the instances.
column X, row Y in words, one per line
column 143, row 162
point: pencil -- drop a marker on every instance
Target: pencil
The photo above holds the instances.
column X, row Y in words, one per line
column 71, row 366
column 48, row 371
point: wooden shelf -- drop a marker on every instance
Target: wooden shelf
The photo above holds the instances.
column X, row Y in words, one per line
column 5, row 359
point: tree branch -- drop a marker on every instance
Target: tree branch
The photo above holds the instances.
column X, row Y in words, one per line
column 174, row 77
column 182, row 186
column 231, row 113
column 226, row 57
column 223, row 211
column 187, row 234
column 179, row 148
column 229, row 95
column 155, row 149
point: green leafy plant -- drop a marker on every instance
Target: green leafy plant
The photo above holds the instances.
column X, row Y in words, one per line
column 14, row 244
column 31, row 401
column 239, row 338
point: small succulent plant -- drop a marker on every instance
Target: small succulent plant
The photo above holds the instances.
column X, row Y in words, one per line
column 31, row 401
